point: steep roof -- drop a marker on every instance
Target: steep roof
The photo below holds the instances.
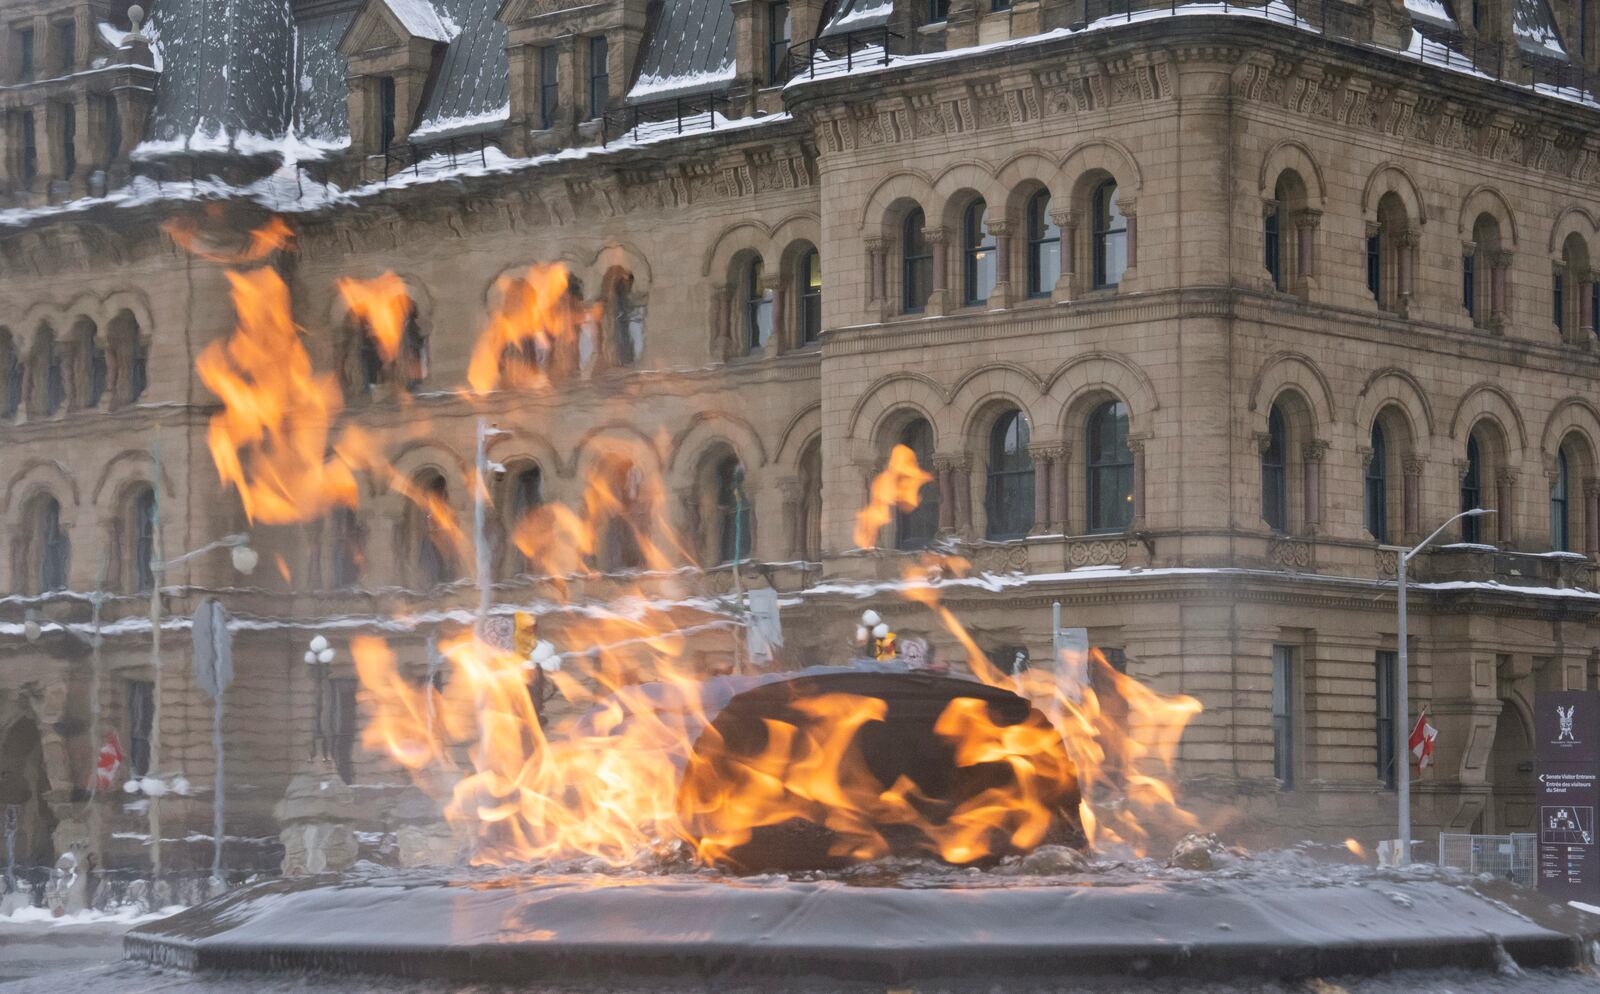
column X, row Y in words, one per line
column 473, row 88
column 689, row 52
column 226, row 70
column 421, row 20
column 321, row 108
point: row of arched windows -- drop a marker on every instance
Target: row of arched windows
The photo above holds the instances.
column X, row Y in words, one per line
column 767, row 304
column 41, row 551
column 83, row 369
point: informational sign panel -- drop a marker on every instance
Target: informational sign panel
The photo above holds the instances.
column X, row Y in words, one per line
column 1566, row 749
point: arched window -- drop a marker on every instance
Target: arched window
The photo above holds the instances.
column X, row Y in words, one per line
column 140, row 525
column 1477, row 271
column 1109, row 468
column 129, row 360
column 435, row 552
column 916, row 264
column 1472, row 491
column 347, row 548
column 46, row 552
column 758, row 298
column 1272, row 235
column 1044, row 246
column 1389, row 254
column 732, row 513
column 89, row 367
column 411, row 365
column 12, row 370
column 1274, row 472
column 49, row 385
column 1574, row 310
column 622, row 546
column 1009, row 498
column 1110, row 236
column 810, row 513
column 915, row 529
column 977, row 254
column 1377, row 485
column 810, row 297
column 524, row 494
column 1560, row 532
column 626, row 319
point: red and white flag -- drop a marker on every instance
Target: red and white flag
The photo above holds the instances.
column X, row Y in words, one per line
column 108, row 762
column 1421, row 742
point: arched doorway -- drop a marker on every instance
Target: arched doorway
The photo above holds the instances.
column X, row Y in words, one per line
column 1511, row 772
column 24, row 813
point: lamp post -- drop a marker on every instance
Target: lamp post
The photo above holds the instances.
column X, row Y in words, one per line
column 244, row 560
column 1403, row 678
column 319, row 655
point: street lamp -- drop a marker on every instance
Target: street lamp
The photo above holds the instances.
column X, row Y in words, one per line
column 319, row 656
column 1403, row 678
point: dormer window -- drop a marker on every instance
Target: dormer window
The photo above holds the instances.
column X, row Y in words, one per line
column 386, row 113
column 599, row 76
column 549, row 86
column 25, row 55
column 779, row 26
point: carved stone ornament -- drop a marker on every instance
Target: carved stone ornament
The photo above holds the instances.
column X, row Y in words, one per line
column 1098, row 552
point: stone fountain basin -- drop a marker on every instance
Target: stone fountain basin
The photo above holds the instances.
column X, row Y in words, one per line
column 604, row 931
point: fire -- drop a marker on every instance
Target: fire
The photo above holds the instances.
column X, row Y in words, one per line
column 384, row 305
column 644, row 754
column 1356, row 849
column 898, row 487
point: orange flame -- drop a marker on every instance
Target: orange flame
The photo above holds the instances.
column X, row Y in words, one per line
column 897, row 487
column 532, row 337
column 384, row 304
column 273, row 236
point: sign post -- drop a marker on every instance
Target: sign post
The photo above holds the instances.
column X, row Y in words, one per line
column 1566, row 728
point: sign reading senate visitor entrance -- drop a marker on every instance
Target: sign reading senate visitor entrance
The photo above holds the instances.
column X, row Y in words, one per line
column 1567, row 753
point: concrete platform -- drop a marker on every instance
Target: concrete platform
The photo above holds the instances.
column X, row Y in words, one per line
column 620, row 932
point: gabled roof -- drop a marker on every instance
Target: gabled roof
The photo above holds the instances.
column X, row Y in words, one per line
column 421, row 20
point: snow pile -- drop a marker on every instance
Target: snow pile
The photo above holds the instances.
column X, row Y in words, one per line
column 1535, row 29
column 650, row 87
column 128, row 914
column 446, row 127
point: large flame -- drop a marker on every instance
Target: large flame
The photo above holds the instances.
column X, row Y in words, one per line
column 632, row 758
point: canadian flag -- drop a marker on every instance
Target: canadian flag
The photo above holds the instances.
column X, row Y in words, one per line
column 1421, row 742
column 110, row 759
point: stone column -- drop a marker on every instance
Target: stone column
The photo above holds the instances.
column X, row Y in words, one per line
column 1305, row 263
column 1060, row 473
column 1129, row 211
column 794, row 525
column 1405, row 242
column 1002, row 231
column 1587, row 304
column 1136, row 446
column 1313, row 455
column 1591, row 517
column 1505, row 490
column 721, row 322
column 944, row 471
column 1043, row 457
column 1411, row 500
column 877, row 256
column 1067, row 220
column 962, row 478
column 938, row 240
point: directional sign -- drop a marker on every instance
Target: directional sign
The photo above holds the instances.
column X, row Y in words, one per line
column 1567, row 756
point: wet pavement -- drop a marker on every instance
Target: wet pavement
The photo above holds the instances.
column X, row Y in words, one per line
column 28, row 951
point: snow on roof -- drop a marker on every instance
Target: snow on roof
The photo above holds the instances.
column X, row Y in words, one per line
column 650, row 88
column 1535, row 28
column 857, row 15
column 474, row 77
column 421, row 20
column 1432, row 12
column 689, row 50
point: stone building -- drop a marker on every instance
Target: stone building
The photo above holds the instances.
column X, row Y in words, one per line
column 1198, row 314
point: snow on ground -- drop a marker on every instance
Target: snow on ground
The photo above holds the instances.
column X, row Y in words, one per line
column 129, row 915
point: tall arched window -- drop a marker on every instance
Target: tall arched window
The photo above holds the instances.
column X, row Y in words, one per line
column 1390, row 254
column 810, row 297
column 626, row 320
column 1272, row 235
column 916, row 264
column 411, row 365
column 1572, row 309
column 11, row 376
column 1008, row 501
column 523, row 495
column 46, row 552
column 1044, row 246
column 1478, row 291
column 1274, row 472
column 732, row 512
column 129, row 360
column 758, row 298
column 622, row 546
column 49, row 385
column 347, row 548
column 1110, row 236
column 1472, row 491
column 141, row 529
column 809, row 541
column 977, row 254
column 1377, row 485
column 1109, row 468
column 89, row 366
column 1560, row 531
column 434, row 550
column 915, row 529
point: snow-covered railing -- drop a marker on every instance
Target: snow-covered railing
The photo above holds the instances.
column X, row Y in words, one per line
column 840, row 53
column 660, row 118
column 400, row 156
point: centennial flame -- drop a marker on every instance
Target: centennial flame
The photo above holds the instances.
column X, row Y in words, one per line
column 615, row 745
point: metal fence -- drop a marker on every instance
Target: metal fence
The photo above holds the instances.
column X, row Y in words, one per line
column 1508, row 857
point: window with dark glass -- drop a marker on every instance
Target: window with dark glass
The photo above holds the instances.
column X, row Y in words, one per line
column 599, row 76
column 55, row 378
column 549, row 86
column 30, row 147
column 1558, row 294
column 916, row 264
column 386, row 113
column 435, row 561
column 779, row 26
column 53, row 550
column 24, row 55
column 413, row 358
column 1375, row 265
column 999, row 4
column 1110, row 237
column 527, row 493
column 627, row 323
column 141, row 697
column 977, row 254
column 113, row 119
column 758, row 301
column 1009, row 498
column 139, row 375
column 1274, row 242
column 1560, row 533
column 810, row 297
column 348, row 554
column 1594, row 307
column 343, row 721
column 915, row 529
column 1283, row 695
column 66, row 46
column 69, row 140
column 1472, row 492
column 733, row 512
column 12, row 368
column 143, row 550
column 1377, row 486
column 1044, row 246
column 99, row 371
column 1109, row 468
column 938, row 11
column 1385, row 667
column 1274, row 475
column 622, row 548
column 1469, row 289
